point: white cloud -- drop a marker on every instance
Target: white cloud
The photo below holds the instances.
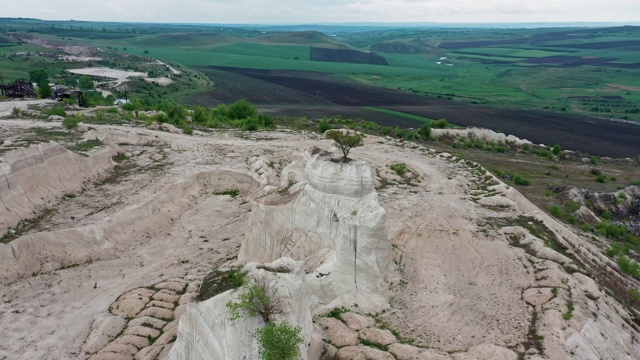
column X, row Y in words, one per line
column 318, row 11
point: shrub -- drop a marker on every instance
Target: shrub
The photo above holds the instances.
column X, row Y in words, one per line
column 556, row 150
column 279, row 341
column 128, row 107
column 586, row 227
column 241, row 109
column 593, row 160
column 324, row 125
column 72, row 121
column 601, row 178
column 15, row 111
column 440, row 124
column 425, row 131
column 236, row 276
column 555, row 211
column 399, row 168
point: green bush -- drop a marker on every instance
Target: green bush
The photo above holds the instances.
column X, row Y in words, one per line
column 279, row 341
column 399, row 168
column 556, row 150
column 58, row 111
column 72, row 121
column 241, row 109
column 601, row 178
column 425, row 131
column 236, row 276
column 324, row 125
column 439, row 124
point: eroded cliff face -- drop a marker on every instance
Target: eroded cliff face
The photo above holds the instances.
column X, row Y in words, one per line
column 332, row 222
column 328, row 231
column 33, row 178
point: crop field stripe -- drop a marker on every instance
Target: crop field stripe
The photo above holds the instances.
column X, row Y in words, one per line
column 392, row 112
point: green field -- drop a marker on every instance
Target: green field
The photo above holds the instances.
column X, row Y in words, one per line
column 499, row 67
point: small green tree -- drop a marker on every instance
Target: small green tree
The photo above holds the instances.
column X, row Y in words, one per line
column 258, row 298
column 44, row 90
column 38, row 76
column 324, row 125
column 556, row 150
column 85, row 83
column 279, row 341
column 425, row 131
column 345, row 141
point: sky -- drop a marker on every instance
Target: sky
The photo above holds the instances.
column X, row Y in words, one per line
column 327, row 11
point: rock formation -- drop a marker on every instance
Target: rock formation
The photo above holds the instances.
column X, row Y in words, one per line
column 327, row 232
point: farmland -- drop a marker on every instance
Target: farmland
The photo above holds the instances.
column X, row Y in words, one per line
column 573, row 86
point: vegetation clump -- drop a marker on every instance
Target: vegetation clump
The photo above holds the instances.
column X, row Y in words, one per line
column 279, row 341
column 399, row 168
column 71, row 122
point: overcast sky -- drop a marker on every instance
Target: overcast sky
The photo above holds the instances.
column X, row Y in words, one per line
column 326, row 11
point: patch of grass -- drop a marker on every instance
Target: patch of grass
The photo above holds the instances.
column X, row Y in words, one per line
column 335, row 313
column 232, row 192
column 40, row 135
column 542, row 232
column 119, row 157
column 518, row 180
column 219, row 281
column 86, row 145
column 57, row 111
column 26, row 225
column 569, row 314
column 369, row 343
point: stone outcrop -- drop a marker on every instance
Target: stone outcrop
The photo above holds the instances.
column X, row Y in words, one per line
column 326, row 236
column 33, row 178
column 43, row 252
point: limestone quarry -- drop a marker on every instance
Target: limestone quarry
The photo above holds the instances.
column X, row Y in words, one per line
column 106, row 248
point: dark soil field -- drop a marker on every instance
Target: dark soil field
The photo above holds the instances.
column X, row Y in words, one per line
column 346, row 56
column 570, row 60
column 316, row 95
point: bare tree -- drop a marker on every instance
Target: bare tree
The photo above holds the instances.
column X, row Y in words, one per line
column 258, row 298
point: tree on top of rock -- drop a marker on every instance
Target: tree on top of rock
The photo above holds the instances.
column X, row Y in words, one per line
column 345, row 141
